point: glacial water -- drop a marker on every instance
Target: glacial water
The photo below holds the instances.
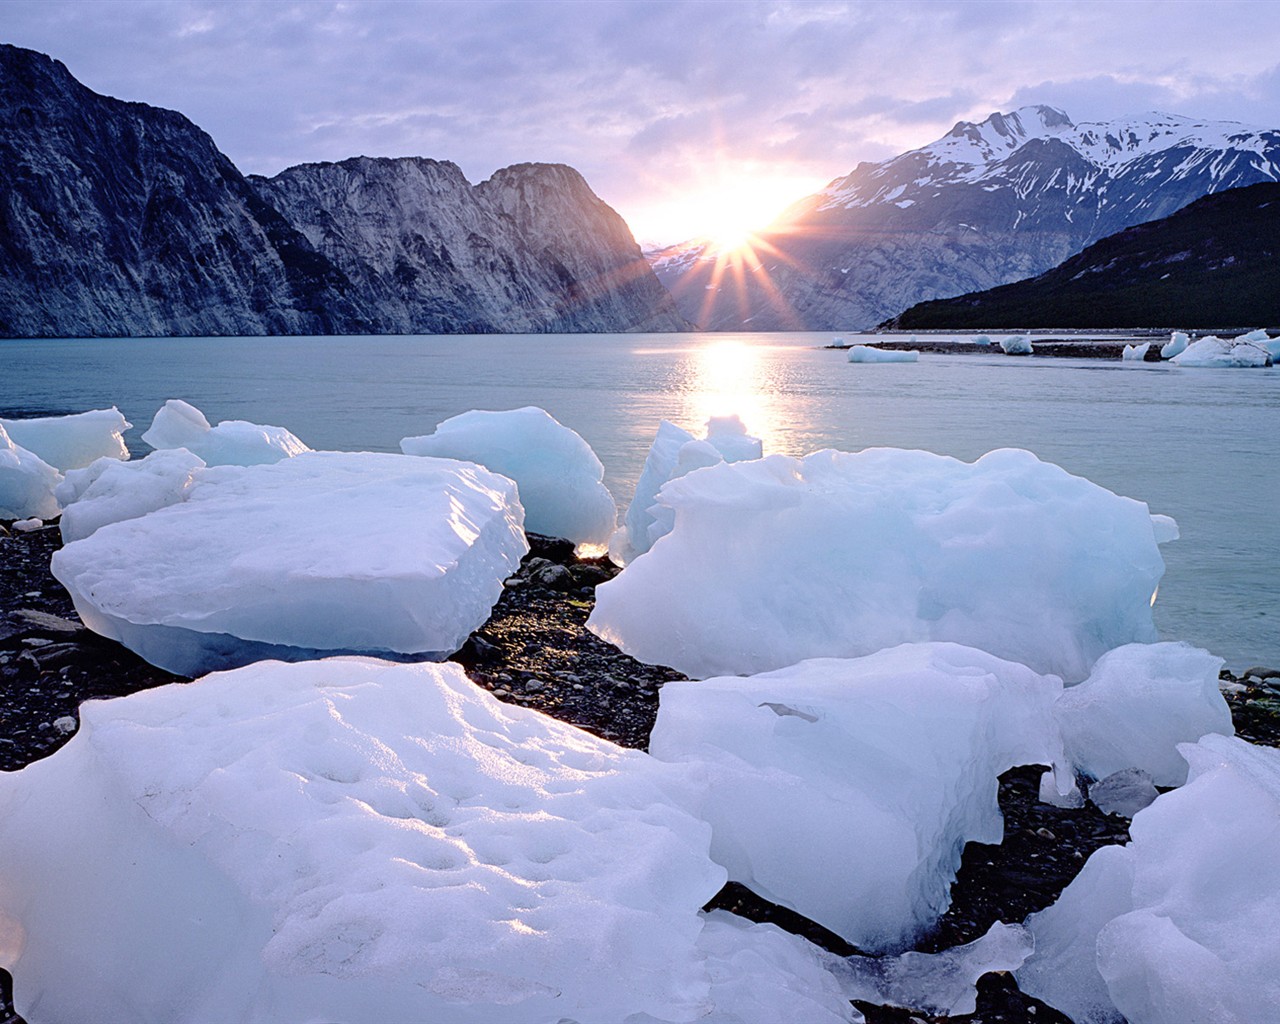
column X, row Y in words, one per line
column 1199, row 445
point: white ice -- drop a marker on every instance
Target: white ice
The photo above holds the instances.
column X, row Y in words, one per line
column 27, row 482
column 109, row 491
column 1215, row 352
column 179, row 424
column 869, row 354
column 560, row 478
column 1176, row 345
column 360, row 841
column 1178, row 925
column 1135, row 353
column 674, row 453
column 1138, row 704
column 838, row 555
column 1018, row 345
column 846, row 789
column 323, row 552
column 72, row 442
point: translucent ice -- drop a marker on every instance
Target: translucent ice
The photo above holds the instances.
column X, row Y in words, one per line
column 72, row 442
column 869, row 354
column 27, row 482
column 1125, row 792
column 846, row 789
column 109, row 491
column 231, row 443
column 361, row 841
column 560, row 478
column 1018, row 345
column 837, row 555
column 323, row 552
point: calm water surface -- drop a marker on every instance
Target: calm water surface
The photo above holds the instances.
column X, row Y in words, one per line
column 1199, row 445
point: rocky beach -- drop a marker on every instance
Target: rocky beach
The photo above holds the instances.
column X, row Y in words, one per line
column 536, row 651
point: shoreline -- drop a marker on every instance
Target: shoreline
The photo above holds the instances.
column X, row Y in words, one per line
column 535, row 651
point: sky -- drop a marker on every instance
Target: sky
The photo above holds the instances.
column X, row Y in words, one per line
column 687, row 117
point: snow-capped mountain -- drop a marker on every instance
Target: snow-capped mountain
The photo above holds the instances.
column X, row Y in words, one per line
column 986, row 204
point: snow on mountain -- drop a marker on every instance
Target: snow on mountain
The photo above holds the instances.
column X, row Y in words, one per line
column 987, row 204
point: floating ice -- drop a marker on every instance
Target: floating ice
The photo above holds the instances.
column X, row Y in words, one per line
column 837, row 555
column 674, row 453
column 1178, row 925
column 355, row 840
column 1216, row 352
column 27, row 482
column 1125, row 792
column 982, row 339
column 1176, row 345
column 72, row 442
column 869, row 354
column 846, row 789
column 109, row 491
column 323, row 552
column 1018, row 345
column 231, row 443
column 559, row 476
column 1135, row 353
column 1138, row 704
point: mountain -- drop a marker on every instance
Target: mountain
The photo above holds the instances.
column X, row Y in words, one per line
column 531, row 249
column 1215, row 263
column 124, row 219
column 985, row 205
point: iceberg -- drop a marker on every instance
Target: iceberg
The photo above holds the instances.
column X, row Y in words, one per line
column 1215, row 352
column 324, row 552
column 1176, row 345
column 674, row 453
column 72, row 442
column 870, row 354
column 777, row 560
column 560, row 478
column 109, row 491
column 846, row 789
column 1176, row 925
column 27, row 482
column 357, row 840
column 179, row 424
column 1135, row 353
column 1018, row 345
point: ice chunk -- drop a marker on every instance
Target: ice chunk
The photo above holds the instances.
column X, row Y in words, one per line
column 356, row 840
column 323, row 552
column 72, row 442
column 839, row 554
column 1051, row 790
column 1175, row 926
column 846, row 789
column 109, row 491
column 938, row 983
column 1176, row 345
column 674, row 453
column 1212, row 351
column 1125, row 792
column 559, row 476
column 982, row 339
column 27, row 482
column 1135, row 353
column 1138, row 704
column 231, row 443
column 1018, row 345
column 870, row 354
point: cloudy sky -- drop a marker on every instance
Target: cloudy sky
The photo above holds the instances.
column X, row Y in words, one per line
column 672, row 110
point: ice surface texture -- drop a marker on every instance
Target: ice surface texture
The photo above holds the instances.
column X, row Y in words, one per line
column 72, row 442
column 360, row 841
column 27, row 482
column 179, row 424
column 838, row 555
column 324, row 552
column 1180, row 924
column 846, row 789
column 560, row 478
column 109, row 491
column 869, row 354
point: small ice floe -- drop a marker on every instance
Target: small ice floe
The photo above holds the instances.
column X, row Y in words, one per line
column 27, row 482
column 72, row 442
column 1215, row 352
column 1176, row 925
column 1135, row 353
column 180, row 424
column 1017, row 345
column 560, row 478
column 674, row 453
column 1176, row 345
column 321, row 553
column 846, row 789
column 871, row 354
column 841, row 554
